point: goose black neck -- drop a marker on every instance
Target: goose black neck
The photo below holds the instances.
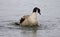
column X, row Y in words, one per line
column 36, row 9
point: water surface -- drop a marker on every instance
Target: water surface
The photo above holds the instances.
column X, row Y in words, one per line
column 12, row 10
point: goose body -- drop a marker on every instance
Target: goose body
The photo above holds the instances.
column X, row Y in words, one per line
column 30, row 20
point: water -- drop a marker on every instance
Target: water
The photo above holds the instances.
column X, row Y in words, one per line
column 12, row 10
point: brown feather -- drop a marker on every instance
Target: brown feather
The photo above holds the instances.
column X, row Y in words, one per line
column 23, row 18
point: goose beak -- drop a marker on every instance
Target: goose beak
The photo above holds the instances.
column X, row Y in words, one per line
column 40, row 13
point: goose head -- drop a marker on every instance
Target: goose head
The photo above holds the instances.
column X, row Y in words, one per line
column 36, row 9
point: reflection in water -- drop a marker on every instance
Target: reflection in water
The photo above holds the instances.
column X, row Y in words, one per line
column 29, row 32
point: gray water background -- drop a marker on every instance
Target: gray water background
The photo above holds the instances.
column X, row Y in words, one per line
column 12, row 10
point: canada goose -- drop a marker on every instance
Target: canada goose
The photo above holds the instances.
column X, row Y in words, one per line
column 30, row 20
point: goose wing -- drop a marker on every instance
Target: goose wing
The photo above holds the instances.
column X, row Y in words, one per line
column 24, row 18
